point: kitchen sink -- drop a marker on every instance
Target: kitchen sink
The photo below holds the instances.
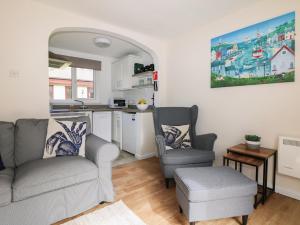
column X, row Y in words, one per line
column 59, row 110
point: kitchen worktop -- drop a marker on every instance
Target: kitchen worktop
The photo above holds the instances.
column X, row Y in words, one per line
column 96, row 108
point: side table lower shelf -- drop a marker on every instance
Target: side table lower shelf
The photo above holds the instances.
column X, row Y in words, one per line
column 242, row 159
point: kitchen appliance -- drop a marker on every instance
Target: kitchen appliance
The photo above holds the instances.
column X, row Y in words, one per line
column 138, row 68
column 129, row 137
column 118, row 103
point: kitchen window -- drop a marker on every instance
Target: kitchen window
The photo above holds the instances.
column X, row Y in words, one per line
column 71, row 83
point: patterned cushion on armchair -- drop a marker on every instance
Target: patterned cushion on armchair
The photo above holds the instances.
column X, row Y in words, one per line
column 177, row 137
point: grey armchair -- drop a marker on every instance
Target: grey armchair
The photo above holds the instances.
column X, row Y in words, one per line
column 200, row 155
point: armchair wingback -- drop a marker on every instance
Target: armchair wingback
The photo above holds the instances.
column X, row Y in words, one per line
column 175, row 116
column 201, row 153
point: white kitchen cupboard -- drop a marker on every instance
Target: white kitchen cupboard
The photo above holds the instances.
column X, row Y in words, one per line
column 138, row 135
column 122, row 71
column 102, row 125
column 117, row 128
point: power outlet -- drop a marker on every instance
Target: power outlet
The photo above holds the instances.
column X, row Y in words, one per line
column 14, row 74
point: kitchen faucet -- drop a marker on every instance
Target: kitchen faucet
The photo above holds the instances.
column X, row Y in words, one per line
column 83, row 106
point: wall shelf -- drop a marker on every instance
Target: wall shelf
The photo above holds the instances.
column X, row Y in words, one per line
column 143, row 86
column 143, row 74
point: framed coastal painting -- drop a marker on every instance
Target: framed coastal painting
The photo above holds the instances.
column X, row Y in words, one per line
column 259, row 54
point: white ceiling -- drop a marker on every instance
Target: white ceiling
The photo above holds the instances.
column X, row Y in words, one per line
column 161, row 18
column 84, row 42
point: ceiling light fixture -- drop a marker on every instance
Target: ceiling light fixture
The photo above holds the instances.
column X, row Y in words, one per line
column 102, row 42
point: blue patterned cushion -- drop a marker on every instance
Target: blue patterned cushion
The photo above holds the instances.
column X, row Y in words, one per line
column 177, row 137
column 65, row 138
column 1, row 164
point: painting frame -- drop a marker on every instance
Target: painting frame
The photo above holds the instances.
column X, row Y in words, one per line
column 261, row 53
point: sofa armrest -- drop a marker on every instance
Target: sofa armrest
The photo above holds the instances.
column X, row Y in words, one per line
column 161, row 145
column 102, row 153
column 97, row 150
column 205, row 141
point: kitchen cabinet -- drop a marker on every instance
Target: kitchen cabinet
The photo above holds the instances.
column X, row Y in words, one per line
column 117, row 128
column 122, row 71
column 102, row 125
column 138, row 135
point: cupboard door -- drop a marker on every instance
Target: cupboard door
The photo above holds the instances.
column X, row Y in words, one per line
column 117, row 127
column 102, row 125
column 116, row 74
column 122, row 71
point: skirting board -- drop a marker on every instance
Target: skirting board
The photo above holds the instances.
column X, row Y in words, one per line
column 145, row 156
column 287, row 192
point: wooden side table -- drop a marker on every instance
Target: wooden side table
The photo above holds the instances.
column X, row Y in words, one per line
column 240, row 154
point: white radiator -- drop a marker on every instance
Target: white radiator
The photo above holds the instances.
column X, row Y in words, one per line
column 289, row 156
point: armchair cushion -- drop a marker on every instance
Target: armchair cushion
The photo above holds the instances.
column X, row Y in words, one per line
column 45, row 175
column 6, row 179
column 192, row 156
column 177, row 137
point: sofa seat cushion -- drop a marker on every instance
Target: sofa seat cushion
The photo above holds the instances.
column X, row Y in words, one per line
column 183, row 156
column 45, row 175
column 213, row 183
column 6, row 179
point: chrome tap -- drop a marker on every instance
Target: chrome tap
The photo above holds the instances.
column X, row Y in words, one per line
column 83, row 106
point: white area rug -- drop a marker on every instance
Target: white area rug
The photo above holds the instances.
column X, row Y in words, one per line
column 115, row 214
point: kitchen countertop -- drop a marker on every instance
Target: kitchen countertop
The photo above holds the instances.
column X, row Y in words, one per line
column 96, row 108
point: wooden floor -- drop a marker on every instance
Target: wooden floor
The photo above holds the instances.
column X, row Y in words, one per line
column 141, row 187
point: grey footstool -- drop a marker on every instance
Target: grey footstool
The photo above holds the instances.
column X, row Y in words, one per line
column 206, row 193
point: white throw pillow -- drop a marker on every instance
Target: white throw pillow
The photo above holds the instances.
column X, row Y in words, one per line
column 65, row 138
column 177, row 137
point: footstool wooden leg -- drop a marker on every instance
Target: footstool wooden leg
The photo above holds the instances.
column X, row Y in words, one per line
column 167, row 181
column 180, row 209
column 245, row 219
column 192, row 223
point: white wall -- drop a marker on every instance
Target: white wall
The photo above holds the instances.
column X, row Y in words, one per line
column 134, row 95
column 267, row 110
column 25, row 29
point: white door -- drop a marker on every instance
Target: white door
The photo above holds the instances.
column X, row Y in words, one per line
column 129, row 134
column 117, row 128
column 116, row 74
column 102, row 125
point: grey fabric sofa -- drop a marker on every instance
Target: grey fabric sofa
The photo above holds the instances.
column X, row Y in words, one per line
column 36, row 191
column 200, row 155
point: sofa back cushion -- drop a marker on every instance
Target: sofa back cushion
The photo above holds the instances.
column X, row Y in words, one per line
column 30, row 137
column 2, row 167
column 7, row 144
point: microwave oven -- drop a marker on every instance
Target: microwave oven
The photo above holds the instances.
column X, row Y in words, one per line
column 118, row 103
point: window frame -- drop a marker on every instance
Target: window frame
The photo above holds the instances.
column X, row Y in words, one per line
column 74, row 90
